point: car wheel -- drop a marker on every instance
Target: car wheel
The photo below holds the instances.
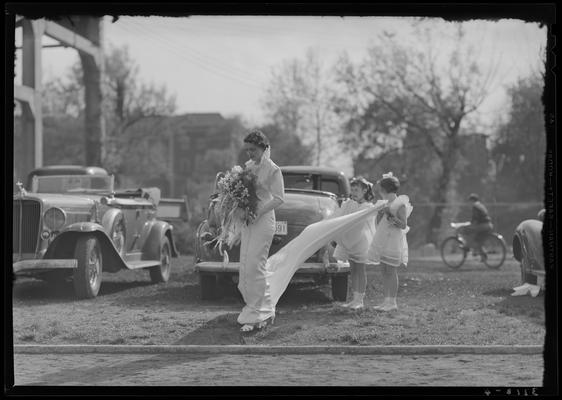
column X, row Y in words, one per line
column 118, row 236
column 87, row 277
column 339, row 287
column 162, row 272
column 209, row 286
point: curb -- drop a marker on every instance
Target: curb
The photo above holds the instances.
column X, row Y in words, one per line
column 241, row 349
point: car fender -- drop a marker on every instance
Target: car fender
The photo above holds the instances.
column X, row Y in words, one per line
column 64, row 244
column 109, row 217
column 151, row 247
column 527, row 242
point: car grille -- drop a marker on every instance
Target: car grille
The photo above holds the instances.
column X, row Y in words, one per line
column 27, row 216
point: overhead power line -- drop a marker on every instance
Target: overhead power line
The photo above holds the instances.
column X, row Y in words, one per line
column 210, row 59
column 186, row 55
column 191, row 58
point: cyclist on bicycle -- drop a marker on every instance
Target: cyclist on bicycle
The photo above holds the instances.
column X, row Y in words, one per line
column 480, row 224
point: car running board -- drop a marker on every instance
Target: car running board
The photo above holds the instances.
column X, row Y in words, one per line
column 143, row 264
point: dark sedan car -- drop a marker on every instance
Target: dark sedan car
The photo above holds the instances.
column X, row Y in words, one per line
column 311, row 194
column 71, row 223
column 528, row 250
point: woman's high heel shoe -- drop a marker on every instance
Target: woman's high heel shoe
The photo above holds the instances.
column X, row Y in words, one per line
column 263, row 324
column 247, row 328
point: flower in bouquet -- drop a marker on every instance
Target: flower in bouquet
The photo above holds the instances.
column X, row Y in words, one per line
column 237, row 204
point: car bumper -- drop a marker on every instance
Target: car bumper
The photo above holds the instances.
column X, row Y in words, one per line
column 306, row 268
column 27, row 266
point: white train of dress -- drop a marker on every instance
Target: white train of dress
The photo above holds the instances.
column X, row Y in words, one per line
column 282, row 265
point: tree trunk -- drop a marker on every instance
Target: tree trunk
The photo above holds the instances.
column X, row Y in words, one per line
column 448, row 164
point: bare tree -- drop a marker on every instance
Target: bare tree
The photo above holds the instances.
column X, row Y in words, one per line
column 133, row 112
column 128, row 101
column 297, row 101
column 400, row 96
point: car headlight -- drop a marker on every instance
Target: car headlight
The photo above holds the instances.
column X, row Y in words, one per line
column 54, row 218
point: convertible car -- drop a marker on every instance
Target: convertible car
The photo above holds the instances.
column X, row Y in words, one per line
column 311, row 194
column 528, row 250
column 71, row 223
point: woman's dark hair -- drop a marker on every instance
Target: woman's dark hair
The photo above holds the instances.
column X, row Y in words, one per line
column 257, row 138
column 365, row 184
column 390, row 184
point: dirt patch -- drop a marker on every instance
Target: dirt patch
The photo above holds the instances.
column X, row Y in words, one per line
column 472, row 305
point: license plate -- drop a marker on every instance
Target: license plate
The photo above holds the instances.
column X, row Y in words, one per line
column 281, row 228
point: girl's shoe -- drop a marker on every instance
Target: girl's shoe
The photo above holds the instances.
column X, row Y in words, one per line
column 389, row 307
column 382, row 305
column 352, row 302
column 357, row 301
column 357, row 306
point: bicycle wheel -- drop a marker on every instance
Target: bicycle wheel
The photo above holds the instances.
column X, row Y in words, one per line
column 453, row 252
column 495, row 250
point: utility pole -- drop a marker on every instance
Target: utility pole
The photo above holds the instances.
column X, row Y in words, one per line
column 83, row 34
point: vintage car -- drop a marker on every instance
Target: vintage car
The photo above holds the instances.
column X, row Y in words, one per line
column 71, row 223
column 528, row 250
column 316, row 178
column 311, row 194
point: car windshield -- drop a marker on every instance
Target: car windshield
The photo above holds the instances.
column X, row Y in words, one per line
column 307, row 181
column 72, row 184
column 330, row 186
column 298, row 181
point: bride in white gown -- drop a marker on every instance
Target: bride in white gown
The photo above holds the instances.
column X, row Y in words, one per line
column 263, row 280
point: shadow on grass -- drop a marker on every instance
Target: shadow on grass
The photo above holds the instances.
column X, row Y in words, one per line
column 221, row 330
column 527, row 308
column 37, row 290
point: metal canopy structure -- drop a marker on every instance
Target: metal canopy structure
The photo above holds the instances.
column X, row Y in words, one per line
column 84, row 34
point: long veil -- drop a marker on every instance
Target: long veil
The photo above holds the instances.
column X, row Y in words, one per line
column 283, row 264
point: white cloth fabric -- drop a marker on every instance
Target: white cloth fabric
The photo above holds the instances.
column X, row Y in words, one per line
column 282, row 265
column 355, row 243
column 526, row 289
column 389, row 244
column 254, row 247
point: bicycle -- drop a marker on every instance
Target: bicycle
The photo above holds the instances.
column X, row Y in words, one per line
column 455, row 249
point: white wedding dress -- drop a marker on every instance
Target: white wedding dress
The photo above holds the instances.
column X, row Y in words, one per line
column 282, row 265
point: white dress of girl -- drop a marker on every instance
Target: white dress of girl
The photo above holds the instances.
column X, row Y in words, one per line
column 389, row 245
column 354, row 244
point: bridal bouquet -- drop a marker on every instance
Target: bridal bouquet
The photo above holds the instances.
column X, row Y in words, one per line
column 237, row 204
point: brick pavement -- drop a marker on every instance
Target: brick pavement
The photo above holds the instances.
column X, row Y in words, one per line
column 278, row 370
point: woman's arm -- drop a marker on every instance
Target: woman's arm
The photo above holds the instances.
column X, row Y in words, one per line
column 277, row 190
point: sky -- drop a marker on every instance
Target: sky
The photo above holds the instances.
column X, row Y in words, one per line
column 224, row 63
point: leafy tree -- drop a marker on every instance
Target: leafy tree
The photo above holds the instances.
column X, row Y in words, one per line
column 399, row 100
column 133, row 112
column 519, row 150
